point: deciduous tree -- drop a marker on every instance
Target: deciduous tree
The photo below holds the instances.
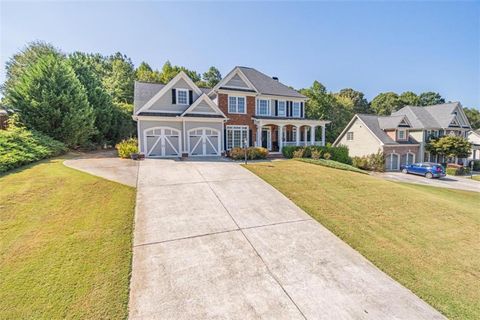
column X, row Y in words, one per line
column 386, row 103
column 473, row 116
column 430, row 98
column 450, row 146
column 409, row 98
column 212, row 77
column 360, row 103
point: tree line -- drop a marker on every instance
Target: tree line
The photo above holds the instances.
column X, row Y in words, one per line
column 87, row 98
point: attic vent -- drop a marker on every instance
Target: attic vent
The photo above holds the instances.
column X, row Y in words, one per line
column 275, row 78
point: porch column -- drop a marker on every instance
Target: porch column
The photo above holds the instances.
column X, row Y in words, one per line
column 323, row 135
column 297, row 142
column 280, row 138
column 305, row 130
column 312, row 135
column 259, row 134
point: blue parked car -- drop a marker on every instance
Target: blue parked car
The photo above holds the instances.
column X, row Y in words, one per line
column 427, row 169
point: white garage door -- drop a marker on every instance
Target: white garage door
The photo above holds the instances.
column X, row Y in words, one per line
column 204, row 142
column 162, row 142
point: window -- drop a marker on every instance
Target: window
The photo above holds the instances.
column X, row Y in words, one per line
column 236, row 105
column 282, row 108
column 236, row 135
column 296, row 109
column 350, row 136
column 401, row 135
column 263, row 107
column 182, row 96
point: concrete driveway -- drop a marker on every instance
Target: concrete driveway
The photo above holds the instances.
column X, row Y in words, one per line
column 214, row 241
column 450, row 182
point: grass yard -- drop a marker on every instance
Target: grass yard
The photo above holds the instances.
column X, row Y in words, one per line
column 476, row 178
column 65, row 244
column 426, row 238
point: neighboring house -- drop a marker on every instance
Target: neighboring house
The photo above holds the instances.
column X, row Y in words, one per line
column 403, row 136
column 181, row 119
column 474, row 138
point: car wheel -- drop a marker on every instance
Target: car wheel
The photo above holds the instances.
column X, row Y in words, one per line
column 428, row 175
column 405, row 171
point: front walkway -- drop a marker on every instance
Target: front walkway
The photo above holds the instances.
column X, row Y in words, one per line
column 212, row 240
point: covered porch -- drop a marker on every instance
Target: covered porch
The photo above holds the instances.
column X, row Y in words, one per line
column 274, row 134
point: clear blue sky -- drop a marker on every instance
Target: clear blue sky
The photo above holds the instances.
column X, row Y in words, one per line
column 370, row 46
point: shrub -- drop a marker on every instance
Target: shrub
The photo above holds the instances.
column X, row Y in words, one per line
column 333, row 164
column 371, row 162
column 19, row 146
column 476, row 165
column 253, row 153
column 339, row 153
column 456, row 170
column 327, row 156
column 299, row 153
column 126, row 147
column 316, row 154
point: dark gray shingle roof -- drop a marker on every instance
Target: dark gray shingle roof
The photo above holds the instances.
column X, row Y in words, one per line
column 143, row 92
column 373, row 123
column 266, row 85
column 429, row 117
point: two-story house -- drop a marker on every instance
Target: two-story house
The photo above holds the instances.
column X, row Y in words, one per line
column 246, row 107
column 403, row 136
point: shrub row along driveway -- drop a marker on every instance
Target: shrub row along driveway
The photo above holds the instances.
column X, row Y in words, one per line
column 212, row 240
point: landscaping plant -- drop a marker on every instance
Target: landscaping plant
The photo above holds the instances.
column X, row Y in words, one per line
column 127, row 147
column 253, row 153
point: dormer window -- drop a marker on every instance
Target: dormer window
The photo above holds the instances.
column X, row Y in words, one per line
column 401, row 134
column 182, row 96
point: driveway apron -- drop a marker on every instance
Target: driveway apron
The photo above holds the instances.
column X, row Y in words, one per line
column 214, row 241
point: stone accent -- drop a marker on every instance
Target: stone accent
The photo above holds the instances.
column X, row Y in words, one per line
column 240, row 119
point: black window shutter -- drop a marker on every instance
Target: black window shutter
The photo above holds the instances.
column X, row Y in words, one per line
column 302, row 110
column 190, row 96
column 225, row 139
column 276, row 107
column 174, row 96
column 289, row 108
column 250, row 137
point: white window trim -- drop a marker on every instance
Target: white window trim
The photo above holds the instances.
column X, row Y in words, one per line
column 258, row 105
column 236, row 104
column 391, row 159
column 405, row 134
column 299, row 109
column 186, row 93
column 284, row 108
column 353, row 136
column 236, row 127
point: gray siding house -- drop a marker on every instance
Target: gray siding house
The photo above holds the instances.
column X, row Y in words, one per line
column 180, row 119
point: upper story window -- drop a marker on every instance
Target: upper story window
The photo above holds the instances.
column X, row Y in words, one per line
column 263, row 107
column 236, row 105
column 296, row 109
column 282, row 108
column 350, row 136
column 182, row 96
column 401, row 134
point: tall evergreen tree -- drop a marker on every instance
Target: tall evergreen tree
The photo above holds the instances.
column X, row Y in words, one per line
column 430, row 98
column 212, row 77
column 49, row 98
column 119, row 78
column 145, row 73
column 409, row 98
column 98, row 98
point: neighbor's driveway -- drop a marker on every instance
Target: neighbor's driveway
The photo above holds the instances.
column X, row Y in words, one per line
column 214, row 241
column 445, row 182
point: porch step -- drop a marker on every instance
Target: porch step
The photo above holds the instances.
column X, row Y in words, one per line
column 275, row 156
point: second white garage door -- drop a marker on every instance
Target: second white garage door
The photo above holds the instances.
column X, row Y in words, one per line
column 204, row 142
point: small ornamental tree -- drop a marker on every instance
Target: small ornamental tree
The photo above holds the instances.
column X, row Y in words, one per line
column 49, row 98
column 450, row 146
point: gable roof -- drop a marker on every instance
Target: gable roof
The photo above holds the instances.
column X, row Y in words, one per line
column 203, row 98
column 435, row 116
column 180, row 76
column 258, row 82
column 143, row 92
column 266, row 85
column 391, row 122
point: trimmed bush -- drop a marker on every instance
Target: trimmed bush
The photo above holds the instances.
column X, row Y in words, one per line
column 339, row 153
column 332, row 164
column 456, row 170
column 372, row 162
column 19, row 146
column 253, row 153
column 299, row 153
column 476, row 165
column 126, row 147
column 316, row 154
column 327, row 156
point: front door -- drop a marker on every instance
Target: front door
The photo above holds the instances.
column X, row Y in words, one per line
column 267, row 138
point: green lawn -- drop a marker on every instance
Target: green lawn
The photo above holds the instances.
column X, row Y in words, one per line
column 65, row 244
column 426, row 238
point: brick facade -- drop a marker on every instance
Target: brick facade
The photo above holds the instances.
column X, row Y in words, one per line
column 240, row 119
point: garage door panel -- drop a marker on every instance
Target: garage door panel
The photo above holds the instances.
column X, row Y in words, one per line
column 204, row 142
column 196, row 145
column 162, row 142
